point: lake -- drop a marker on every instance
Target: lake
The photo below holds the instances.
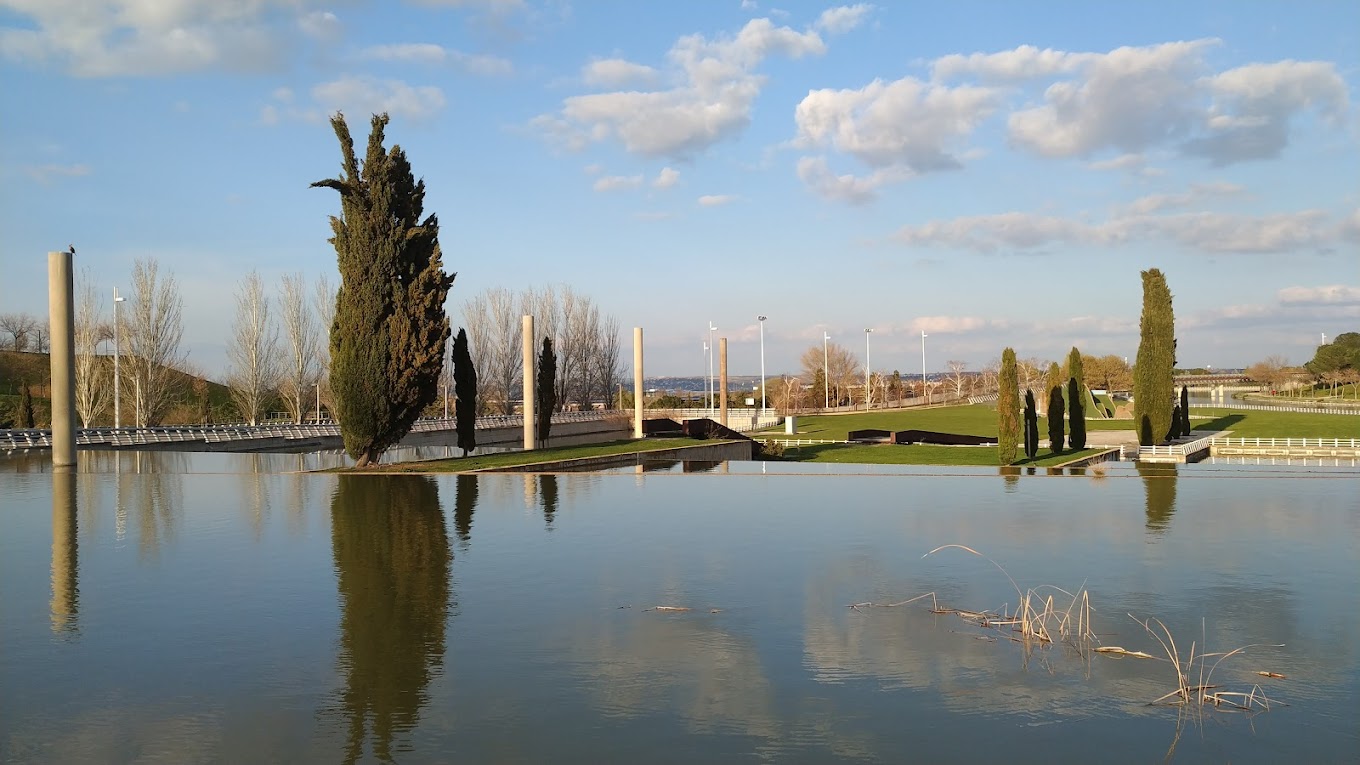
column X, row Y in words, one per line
column 181, row 608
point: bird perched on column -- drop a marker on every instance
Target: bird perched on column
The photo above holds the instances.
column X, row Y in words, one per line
column 73, row 249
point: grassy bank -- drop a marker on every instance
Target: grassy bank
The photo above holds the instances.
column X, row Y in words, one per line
column 517, row 459
column 920, row 454
column 1258, row 424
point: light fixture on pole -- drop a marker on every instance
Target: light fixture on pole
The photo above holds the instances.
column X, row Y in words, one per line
column 761, row 319
column 925, row 391
column 117, row 399
column 867, row 389
column 826, row 371
column 712, row 388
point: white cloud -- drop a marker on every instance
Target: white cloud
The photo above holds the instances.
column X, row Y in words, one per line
column 1023, row 63
column 1205, row 232
column 898, row 129
column 1334, row 294
column 47, row 174
column 667, row 178
column 616, row 73
column 842, row 19
column 321, row 25
column 107, row 38
column 714, row 101
column 371, row 95
column 617, row 182
column 1199, row 193
column 429, row 53
column 716, row 200
column 1133, row 164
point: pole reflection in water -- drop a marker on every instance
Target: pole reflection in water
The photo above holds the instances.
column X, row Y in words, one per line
column 464, row 505
column 1159, row 483
column 392, row 563
column 65, row 563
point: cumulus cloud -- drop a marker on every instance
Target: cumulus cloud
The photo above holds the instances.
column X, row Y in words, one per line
column 1023, row 63
column 667, row 178
column 617, row 182
column 716, row 200
column 897, row 129
column 109, row 38
column 1333, row 294
column 371, row 95
column 617, row 73
column 429, row 53
column 321, row 25
column 714, row 100
column 1206, row 232
column 842, row 19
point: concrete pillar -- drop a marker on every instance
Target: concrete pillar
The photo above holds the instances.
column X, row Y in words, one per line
column 62, row 324
column 722, row 380
column 528, row 383
column 637, row 382
column 65, row 569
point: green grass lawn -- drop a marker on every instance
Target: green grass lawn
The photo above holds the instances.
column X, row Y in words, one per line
column 919, row 454
column 551, row 454
column 1257, row 424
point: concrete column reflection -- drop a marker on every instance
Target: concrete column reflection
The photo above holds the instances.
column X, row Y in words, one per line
column 65, row 561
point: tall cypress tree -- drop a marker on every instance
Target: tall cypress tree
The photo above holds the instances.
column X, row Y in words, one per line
column 1031, row 425
column 1153, row 389
column 26, row 418
column 465, row 391
column 1185, row 411
column 1076, row 401
column 545, row 398
column 388, row 335
column 1055, row 418
column 1008, row 410
column 1076, row 409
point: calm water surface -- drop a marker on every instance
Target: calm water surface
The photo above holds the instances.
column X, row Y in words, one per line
column 216, row 608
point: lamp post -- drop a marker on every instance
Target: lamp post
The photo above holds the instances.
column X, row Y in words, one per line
column 317, row 385
column 826, row 372
column 712, row 389
column 925, row 391
column 867, row 332
column 117, row 398
column 707, row 399
column 761, row 319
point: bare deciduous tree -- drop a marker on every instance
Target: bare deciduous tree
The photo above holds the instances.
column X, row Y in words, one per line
column 494, row 334
column 300, row 332
column 324, row 301
column 153, row 329
column 958, row 373
column 20, row 327
column 252, row 350
column 843, row 369
column 93, row 391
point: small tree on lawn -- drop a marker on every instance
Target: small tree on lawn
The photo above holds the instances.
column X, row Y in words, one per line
column 1185, row 411
column 465, row 391
column 1031, row 425
column 1008, row 410
column 1056, row 412
column 545, row 398
column 1076, row 409
column 26, row 419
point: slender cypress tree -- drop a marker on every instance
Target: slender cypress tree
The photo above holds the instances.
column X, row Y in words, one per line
column 1055, row 418
column 1053, row 380
column 1031, row 426
column 1175, row 431
column 545, row 398
column 465, row 391
column 1008, row 410
column 1185, row 411
column 1153, row 390
column 1076, row 409
column 389, row 330
column 26, row 418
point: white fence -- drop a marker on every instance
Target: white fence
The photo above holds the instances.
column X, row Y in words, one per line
column 1297, row 409
column 1285, row 443
column 1177, row 450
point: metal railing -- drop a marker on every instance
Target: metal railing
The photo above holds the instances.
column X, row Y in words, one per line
column 1285, row 443
column 1177, row 450
column 1297, row 409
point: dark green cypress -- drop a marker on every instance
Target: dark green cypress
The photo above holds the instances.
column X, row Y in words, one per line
column 1076, row 408
column 1056, row 412
column 1008, row 410
column 26, row 418
column 1185, row 411
column 545, row 397
column 465, row 392
column 1031, row 425
column 388, row 336
column 1153, row 390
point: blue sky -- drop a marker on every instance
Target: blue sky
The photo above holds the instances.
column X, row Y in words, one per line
column 991, row 173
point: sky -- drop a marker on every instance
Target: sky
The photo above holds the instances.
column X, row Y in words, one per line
column 989, row 173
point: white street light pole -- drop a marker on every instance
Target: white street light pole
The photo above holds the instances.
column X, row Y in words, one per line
column 761, row 319
column 826, row 371
column 712, row 389
column 117, row 398
column 924, row 389
column 867, row 331
column 318, row 403
column 706, row 380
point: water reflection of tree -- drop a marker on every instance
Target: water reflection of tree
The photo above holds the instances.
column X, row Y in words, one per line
column 464, row 505
column 392, row 561
column 548, row 491
column 1159, row 482
column 1011, row 475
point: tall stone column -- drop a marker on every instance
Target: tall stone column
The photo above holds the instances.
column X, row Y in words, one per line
column 528, row 383
column 62, row 323
column 637, row 382
column 722, row 380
